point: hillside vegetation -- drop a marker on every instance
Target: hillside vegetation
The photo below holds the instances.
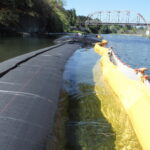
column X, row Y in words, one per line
column 33, row 16
column 44, row 16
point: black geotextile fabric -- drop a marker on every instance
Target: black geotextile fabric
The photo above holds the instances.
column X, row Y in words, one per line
column 28, row 100
column 8, row 64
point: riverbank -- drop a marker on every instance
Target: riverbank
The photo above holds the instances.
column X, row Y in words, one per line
column 138, row 35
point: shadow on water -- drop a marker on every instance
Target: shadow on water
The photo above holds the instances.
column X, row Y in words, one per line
column 86, row 127
column 80, row 124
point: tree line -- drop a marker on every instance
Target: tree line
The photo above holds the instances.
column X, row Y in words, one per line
column 47, row 16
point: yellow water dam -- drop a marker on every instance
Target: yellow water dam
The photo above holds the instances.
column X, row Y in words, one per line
column 124, row 94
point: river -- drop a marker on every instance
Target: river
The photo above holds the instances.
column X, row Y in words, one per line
column 14, row 46
column 81, row 121
column 133, row 50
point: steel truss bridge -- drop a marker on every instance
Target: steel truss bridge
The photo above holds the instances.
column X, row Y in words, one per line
column 116, row 18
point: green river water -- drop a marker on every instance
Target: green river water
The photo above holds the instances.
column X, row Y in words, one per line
column 85, row 122
column 14, row 46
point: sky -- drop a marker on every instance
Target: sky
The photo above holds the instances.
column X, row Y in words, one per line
column 85, row 7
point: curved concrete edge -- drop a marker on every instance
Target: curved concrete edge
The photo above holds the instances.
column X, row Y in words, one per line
column 29, row 95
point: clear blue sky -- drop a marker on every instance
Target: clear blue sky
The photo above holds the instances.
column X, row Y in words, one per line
column 85, row 7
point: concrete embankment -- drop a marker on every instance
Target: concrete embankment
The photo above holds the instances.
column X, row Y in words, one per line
column 29, row 92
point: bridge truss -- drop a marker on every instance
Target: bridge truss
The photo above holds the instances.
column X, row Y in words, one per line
column 116, row 17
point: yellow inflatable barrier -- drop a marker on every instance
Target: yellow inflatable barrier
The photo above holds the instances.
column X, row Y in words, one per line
column 132, row 89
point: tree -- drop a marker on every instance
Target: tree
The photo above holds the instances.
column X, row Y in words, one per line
column 104, row 29
column 72, row 17
column 115, row 28
column 51, row 13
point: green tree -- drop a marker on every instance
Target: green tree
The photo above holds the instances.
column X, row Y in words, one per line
column 104, row 29
column 72, row 17
column 115, row 28
column 50, row 13
column 94, row 29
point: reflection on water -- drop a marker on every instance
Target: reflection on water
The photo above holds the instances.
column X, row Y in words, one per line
column 80, row 122
column 15, row 46
column 114, row 112
column 86, row 127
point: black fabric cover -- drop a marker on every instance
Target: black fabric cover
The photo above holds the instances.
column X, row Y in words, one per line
column 29, row 95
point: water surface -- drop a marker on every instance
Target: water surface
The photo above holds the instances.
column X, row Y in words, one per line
column 85, row 122
column 14, row 46
column 82, row 124
column 133, row 50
